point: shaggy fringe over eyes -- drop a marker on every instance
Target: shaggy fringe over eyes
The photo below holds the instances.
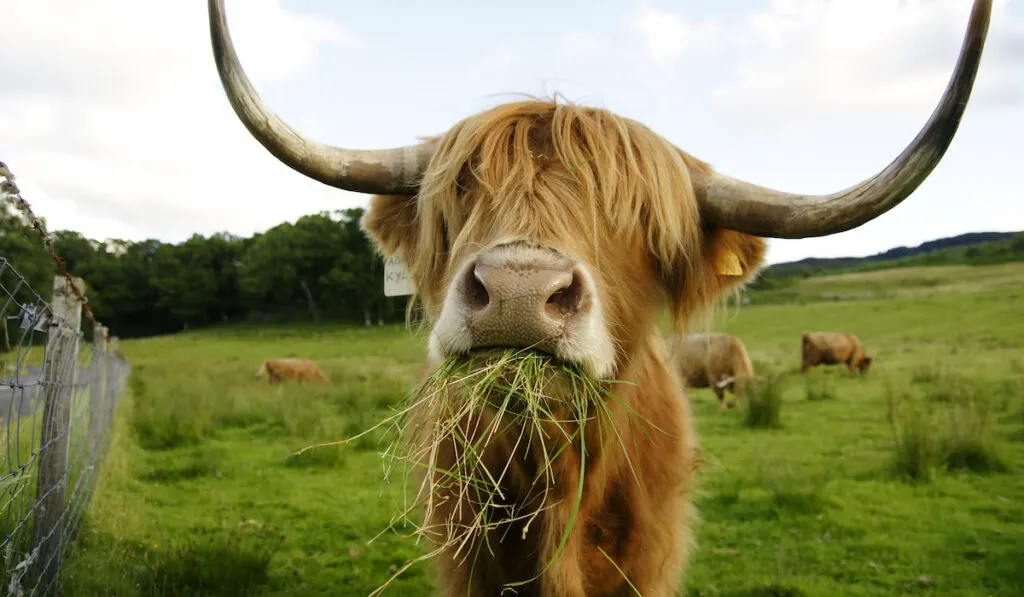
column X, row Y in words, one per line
column 558, row 171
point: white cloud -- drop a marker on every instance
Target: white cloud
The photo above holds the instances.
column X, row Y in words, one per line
column 113, row 108
column 786, row 81
column 114, row 120
column 803, row 61
column 667, row 36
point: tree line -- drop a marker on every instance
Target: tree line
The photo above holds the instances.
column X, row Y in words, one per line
column 320, row 268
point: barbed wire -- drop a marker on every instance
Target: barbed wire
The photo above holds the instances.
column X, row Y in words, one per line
column 57, row 405
column 10, row 188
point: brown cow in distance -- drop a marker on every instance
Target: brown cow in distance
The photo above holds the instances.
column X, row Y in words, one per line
column 564, row 229
column 713, row 360
column 277, row 370
column 833, row 348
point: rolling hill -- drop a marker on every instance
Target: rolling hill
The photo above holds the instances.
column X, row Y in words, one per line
column 970, row 249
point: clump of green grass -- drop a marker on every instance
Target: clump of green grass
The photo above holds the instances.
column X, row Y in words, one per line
column 763, row 402
column 232, row 561
column 303, row 416
column 969, row 441
column 916, row 446
column 203, row 461
column 950, row 428
column 471, row 413
column 792, row 489
column 951, row 388
column 164, row 420
column 819, row 388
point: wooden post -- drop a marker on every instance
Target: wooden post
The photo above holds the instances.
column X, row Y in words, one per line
column 115, row 349
column 114, row 378
column 97, row 393
column 58, row 376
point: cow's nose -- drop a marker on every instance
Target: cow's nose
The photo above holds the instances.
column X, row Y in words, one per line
column 522, row 304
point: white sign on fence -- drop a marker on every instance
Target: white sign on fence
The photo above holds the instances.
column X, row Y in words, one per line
column 28, row 319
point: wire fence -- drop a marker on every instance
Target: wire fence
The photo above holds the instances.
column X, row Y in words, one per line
column 58, row 394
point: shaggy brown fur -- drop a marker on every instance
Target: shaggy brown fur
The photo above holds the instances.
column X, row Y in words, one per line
column 833, row 348
column 299, row 369
column 613, row 194
column 714, row 360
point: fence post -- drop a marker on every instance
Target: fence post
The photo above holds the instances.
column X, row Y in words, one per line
column 97, row 393
column 113, row 377
column 59, row 370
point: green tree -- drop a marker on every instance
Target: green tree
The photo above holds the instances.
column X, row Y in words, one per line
column 321, row 266
column 1017, row 245
column 23, row 249
column 185, row 280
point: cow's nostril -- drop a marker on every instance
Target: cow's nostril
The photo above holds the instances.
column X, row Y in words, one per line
column 476, row 293
column 566, row 301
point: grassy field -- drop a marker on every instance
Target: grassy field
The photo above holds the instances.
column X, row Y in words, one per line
column 201, row 496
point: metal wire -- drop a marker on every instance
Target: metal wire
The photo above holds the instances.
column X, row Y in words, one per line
column 58, row 395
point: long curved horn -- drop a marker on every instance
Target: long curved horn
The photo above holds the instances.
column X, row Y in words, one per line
column 379, row 171
column 760, row 211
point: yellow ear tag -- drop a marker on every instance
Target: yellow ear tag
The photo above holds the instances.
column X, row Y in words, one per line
column 729, row 265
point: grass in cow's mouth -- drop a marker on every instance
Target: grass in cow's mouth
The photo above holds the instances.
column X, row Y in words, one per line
column 524, row 401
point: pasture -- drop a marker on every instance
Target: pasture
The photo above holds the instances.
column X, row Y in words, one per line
column 201, row 496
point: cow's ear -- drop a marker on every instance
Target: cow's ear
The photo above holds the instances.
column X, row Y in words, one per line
column 390, row 223
column 726, row 261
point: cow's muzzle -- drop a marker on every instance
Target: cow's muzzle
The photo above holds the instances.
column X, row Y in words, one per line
column 522, row 296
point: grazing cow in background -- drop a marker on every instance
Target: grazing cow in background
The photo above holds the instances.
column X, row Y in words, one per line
column 833, row 348
column 564, row 229
column 713, row 360
column 277, row 370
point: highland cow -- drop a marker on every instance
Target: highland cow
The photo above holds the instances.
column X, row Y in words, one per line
column 278, row 370
column 713, row 360
column 832, row 348
column 563, row 229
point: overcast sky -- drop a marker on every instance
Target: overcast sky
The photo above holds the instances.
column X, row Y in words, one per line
column 114, row 120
